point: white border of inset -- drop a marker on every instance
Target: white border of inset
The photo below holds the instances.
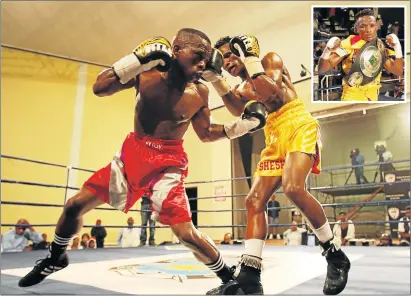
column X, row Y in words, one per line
column 404, row 50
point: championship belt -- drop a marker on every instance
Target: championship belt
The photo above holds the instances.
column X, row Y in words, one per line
column 367, row 65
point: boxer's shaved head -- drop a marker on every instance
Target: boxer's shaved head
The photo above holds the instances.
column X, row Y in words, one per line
column 188, row 36
column 364, row 12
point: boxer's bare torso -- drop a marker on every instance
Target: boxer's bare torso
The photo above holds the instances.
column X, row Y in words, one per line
column 163, row 111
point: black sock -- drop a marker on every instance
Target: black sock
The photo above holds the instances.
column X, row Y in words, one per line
column 58, row 246
column 221, row 269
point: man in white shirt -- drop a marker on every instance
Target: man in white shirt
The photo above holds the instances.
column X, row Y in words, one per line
column 129, row 236
column 344, row 231
column 404, row 228
column 17, row 239
column 293, row 236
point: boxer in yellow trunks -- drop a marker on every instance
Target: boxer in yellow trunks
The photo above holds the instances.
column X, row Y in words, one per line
column 363, row 57
column 292, row 152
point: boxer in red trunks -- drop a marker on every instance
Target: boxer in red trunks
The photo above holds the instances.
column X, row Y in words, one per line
column 152, row 160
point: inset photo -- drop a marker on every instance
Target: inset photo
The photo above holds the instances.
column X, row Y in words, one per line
column 358, row 54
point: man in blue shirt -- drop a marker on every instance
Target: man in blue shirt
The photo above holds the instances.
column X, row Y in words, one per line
column 358, row 159
column 17, row 239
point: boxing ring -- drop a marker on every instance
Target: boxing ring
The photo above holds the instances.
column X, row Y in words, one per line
column 172, row 269
column 329, row 85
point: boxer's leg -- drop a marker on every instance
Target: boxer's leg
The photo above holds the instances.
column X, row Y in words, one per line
column 296, row 169
column 171, row 207
column 203, row 248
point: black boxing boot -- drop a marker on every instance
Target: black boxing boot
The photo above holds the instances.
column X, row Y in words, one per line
column 247, row 279
column 57, row 260
column 338, row 267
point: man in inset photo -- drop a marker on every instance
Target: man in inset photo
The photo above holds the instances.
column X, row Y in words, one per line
column 363, row 61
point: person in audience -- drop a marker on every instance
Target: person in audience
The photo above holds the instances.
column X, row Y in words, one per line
column 146, row 219
column 308, row 238
column 299, row 219
column 17, row 239
column 99, row 233
column 129, row 236
column 293, row 236
column 75, row 245
column 91, row 244
column 84, row 240
column 43, row 245
column 227, row 239
column 385, row 240
column 273, row 216
column 404, row 228
column 344, row 229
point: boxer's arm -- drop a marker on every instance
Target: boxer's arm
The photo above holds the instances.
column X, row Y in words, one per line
column 201, row 121
column 333, row 61
column 268, row 84
column 234, row 103
column 395, row 66
column 107, row 83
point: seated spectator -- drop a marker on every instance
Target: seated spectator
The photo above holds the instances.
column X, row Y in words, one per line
column 17, row 239
column 43, row 245
column 308, row 238
column 227, row 239
column 344, row 231
column 299, row 219
column 404, row 228
column 385, row 240
column 84, row 240
column 129, row 236
column 91, row 244
column 99, row 233
column 75, row 245
column 293, row 236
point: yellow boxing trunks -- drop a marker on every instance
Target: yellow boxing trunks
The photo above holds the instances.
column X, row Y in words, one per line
column 290, row 129
column 365, row 93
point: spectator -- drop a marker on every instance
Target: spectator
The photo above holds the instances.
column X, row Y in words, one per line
column 344, row 231
column 380, row 25
column 75, row 245
column 396, row 28
column 404, row 228
column 273, row 216
column 129, row 236
column 17, row 239
column 43, row 245
column 298, row 218
column 351, row 21
column 227, row 239
column 308, row 238
column 293, row 236
column 84, row 240
column 146, row 218
column 91, row 244
column 358, row 159
column 99, row 233
column 385, row 240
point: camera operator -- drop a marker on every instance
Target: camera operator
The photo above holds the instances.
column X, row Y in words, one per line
column 384, row 156
column 358, row 159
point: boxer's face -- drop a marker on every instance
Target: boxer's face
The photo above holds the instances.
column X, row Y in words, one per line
column 232, row 63
column 193, row 57
column 367, row 27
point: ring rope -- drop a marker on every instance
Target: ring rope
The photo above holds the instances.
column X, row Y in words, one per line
column 330, row 205
column 208, row 226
